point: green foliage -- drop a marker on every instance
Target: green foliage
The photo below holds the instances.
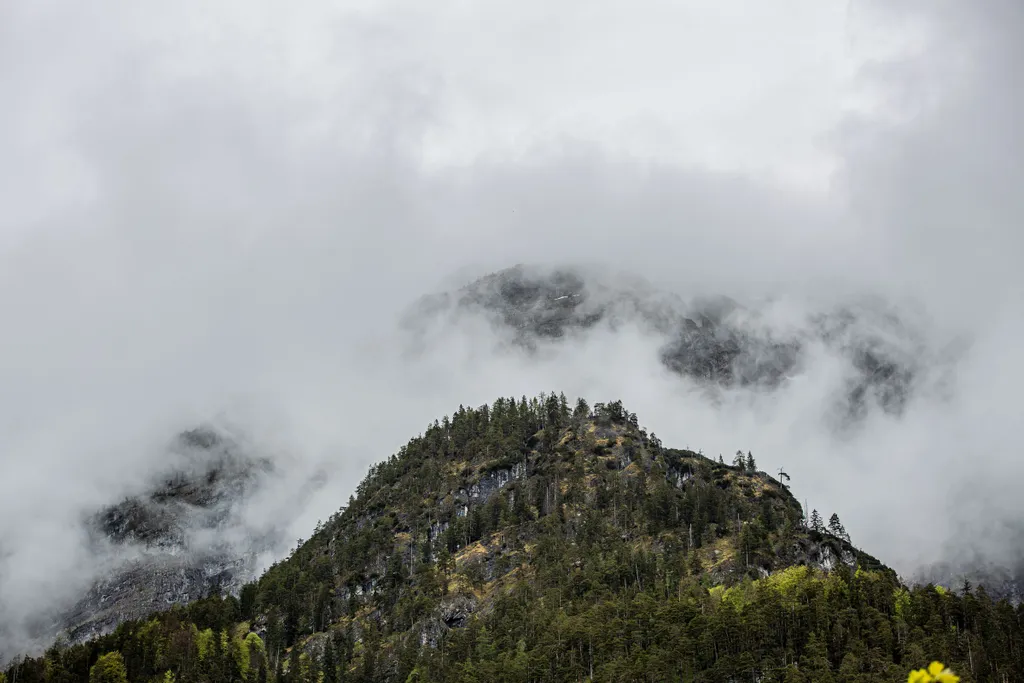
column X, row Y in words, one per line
column 528, row 541
column 109, row 668
column 204, row 643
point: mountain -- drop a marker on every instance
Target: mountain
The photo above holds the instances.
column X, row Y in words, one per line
column 532, row 540
column 713, row 341
column 165, row 545
column 885, row 357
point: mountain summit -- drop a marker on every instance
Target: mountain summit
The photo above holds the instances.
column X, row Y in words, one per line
column 536, row 540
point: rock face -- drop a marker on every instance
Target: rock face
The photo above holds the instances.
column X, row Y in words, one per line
column 714, row 342
column 141, row 586
column 166, row 543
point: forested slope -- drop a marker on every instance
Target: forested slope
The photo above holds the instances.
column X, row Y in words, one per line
column 531, row 540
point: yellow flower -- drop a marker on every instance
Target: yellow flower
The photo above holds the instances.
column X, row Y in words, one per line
column 935, row 673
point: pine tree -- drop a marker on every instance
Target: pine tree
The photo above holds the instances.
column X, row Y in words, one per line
column 835, row 527
column 816, row 523
column 294, row 674
column 330, row 667
column 751, row 465
column 696, row 566
column 582, row 409
column 552, row 416
column 247, row 600
column 814, row 661
column 563, row 408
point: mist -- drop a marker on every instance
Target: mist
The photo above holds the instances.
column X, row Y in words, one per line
column 225, row 211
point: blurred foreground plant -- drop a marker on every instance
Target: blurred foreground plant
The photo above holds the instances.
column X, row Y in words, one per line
column 935, row 673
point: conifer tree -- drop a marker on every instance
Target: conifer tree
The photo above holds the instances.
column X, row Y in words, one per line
column 814, row 661
column 563, row 408
column 582, row 409
column 329, row 666
column 835, row 527
column 816, row 523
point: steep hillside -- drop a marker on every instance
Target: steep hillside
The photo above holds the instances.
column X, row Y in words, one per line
column 488, row 491
column 530, row 540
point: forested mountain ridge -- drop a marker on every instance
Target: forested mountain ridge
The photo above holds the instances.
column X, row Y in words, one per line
column 531, row 540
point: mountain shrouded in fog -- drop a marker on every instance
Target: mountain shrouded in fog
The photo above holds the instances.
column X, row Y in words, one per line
column 181, row 537
column 173, row 543
column 186, row 534
column 220, row 214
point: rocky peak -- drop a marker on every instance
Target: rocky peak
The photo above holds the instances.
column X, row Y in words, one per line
column 158, row 539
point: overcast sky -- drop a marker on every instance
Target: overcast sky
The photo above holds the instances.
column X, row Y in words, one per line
column 222, row 207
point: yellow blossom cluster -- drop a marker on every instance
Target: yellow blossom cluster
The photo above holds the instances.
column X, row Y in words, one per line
column 935, row 673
